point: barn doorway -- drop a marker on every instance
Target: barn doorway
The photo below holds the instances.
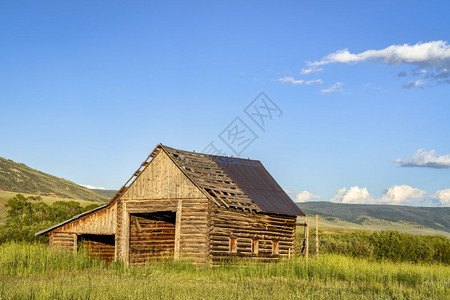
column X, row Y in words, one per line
column 152, row 236
column 98, row 246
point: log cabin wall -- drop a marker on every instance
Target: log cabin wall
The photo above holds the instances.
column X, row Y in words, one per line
column 63, row 241
column 98, row 246
column 99, row 222
column 250, row 233
column 162, row 187
column 152, row 237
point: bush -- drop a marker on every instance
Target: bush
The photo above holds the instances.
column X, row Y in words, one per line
column 387, row 245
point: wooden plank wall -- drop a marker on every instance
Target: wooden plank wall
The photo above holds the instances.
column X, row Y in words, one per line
column 100, row 222
column 98, row 246
column 246, row 227
column 63, row 240
column 162, row 179
column 151, row 239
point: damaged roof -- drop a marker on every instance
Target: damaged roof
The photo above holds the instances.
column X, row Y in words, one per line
column 234, row 182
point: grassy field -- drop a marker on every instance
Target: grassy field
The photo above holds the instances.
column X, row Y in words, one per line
column 31, row 271
column 5, row 196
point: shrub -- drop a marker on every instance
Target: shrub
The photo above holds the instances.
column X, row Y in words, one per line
column 387, row 245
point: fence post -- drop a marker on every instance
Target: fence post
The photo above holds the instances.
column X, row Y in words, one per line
column 317, row 236
column 306, row 239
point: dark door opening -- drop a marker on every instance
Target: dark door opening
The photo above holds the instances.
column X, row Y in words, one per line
column 152, row 236
column 98, row 246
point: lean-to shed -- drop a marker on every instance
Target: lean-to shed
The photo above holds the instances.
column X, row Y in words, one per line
column 188, row 205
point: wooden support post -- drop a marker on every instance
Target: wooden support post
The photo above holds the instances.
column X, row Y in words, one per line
column 176, row 254
column 306, row 239
column 126, row 240
column 317, row 236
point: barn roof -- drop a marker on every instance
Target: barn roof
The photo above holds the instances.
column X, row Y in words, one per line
column 234, row 182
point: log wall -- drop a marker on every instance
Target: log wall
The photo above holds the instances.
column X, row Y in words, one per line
column 98, row 246
column 250, row 230
column 193, row 225
column 152, row 237
column 63, row 240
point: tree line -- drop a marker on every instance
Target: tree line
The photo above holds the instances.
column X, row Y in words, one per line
column 28, row 215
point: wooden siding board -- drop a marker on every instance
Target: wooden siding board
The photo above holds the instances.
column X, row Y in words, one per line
column 162, row 179
column 99, row 222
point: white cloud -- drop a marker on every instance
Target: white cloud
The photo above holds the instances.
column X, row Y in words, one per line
column 414, row 83
column 91, row 187
column 426, row 159
column 319, row 81
column 291, row 80
column 395, row 195
column 336, row 87
column 402, row 194
column 310, row 70
column 434, row 55
column 443, row 196
column 430, row 54
column 355, row 194
column 299, row 81
column 304, row 196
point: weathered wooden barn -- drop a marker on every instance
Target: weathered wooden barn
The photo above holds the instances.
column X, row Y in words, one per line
column 188, row 205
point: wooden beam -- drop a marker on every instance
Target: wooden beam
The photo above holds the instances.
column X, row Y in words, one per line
column 126, row 234
column 176, row 254
column 138, row 225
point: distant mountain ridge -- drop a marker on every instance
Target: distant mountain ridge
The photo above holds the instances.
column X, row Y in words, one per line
column 436, row 218
column 18, row 177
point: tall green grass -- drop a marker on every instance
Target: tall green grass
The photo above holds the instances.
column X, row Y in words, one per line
column 32, row 271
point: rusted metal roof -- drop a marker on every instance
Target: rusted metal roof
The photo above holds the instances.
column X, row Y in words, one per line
column 258, row 184
column 234, row 182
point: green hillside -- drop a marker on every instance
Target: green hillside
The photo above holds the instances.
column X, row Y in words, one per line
column 107, row 193
column 19, row 178
column 420, row 220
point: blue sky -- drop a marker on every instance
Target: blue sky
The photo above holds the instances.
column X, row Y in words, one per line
column 88, row 88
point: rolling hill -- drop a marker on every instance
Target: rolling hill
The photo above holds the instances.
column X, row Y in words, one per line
column 420, row 220
column 19, row 178
column 107, row 193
